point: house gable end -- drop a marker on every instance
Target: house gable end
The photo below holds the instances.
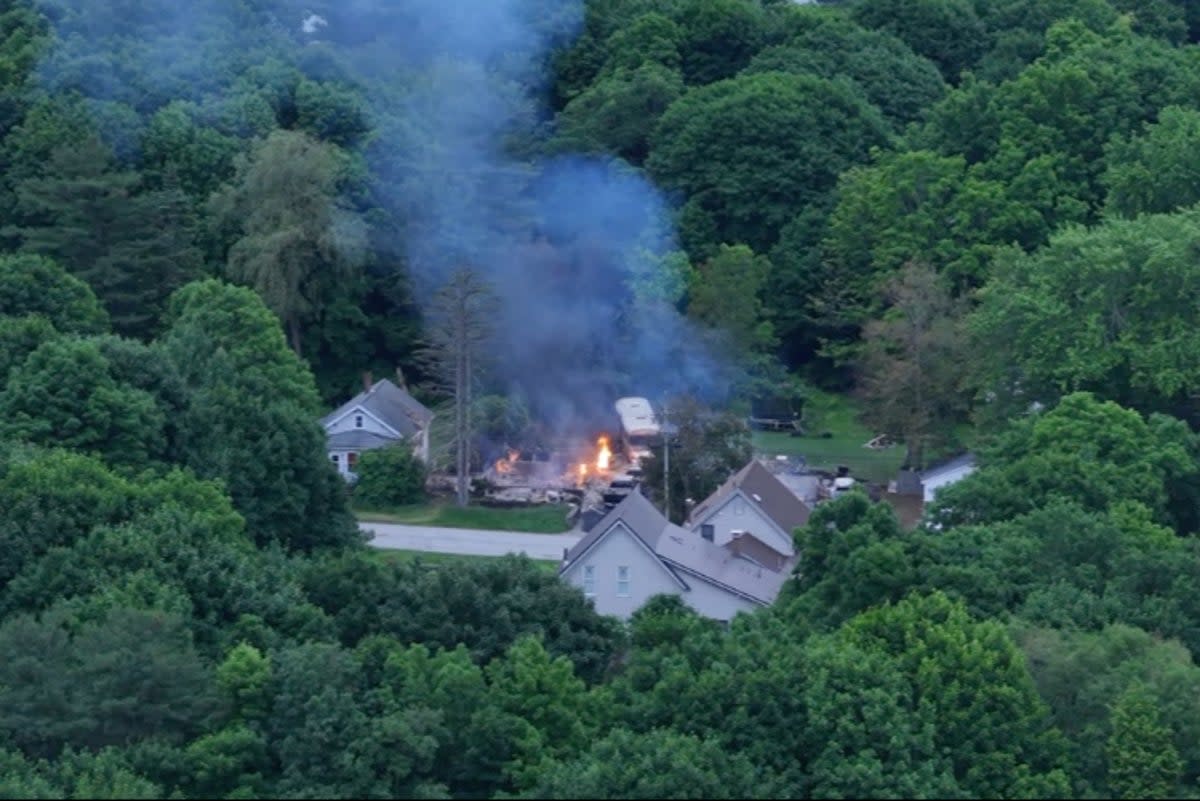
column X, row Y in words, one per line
column 332, row 424
column 723, row 514
column 619, row 527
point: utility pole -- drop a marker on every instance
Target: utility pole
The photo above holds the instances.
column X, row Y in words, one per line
column 666, row 435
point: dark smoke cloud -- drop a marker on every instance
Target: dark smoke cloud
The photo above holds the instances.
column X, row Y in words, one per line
column 573, row 247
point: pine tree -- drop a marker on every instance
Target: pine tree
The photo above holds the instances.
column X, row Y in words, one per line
column 132, row 248
column 457, row 331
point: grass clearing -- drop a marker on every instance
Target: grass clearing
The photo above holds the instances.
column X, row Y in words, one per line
column 839, row 416
column 543, row 519
column 434, row 560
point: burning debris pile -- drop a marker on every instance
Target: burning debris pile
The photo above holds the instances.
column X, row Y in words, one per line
column 582, row 472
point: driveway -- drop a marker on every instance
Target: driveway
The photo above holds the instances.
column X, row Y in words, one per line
column 468, row 541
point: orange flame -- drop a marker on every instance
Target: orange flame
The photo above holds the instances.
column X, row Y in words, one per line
column 582, row 470
column 604, row 457
column 505, row 465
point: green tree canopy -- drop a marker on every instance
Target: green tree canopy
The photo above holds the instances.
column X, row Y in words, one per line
column 947, row 32
column 1086, row 451
column 751, row 152
column 892, row 77
column 251, row 417
column 132, row 247
column 36, row 285
column 1142, row 760
column 658, row 764
column 65, row 394
column 1109, row 309
column 1149, row 172
column 969, row 682
column 296, row 243
column 726, row 294
column 389, row 477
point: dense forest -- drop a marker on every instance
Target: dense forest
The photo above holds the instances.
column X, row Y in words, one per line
column 972, row 214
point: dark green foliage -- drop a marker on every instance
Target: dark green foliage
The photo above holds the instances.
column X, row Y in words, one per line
column 189, row 614
column 1142, row 761
column 751, row 152
column 854, row 556
column 130, row 676
column 19, row 337
column 718, row 37
column 726, row 294
column 618, row 113
column 65, row 394
column 81, row 774
column 970, row 685
column 33, row 285
column 658, row 764
column 945, row 31
column 891, row 76
column 133, row 248
column 251, row 417
column 1147, row 171
column 1091, row 453
column 293, row 241
column 52, row 498
column 485, row 607
column 389, row 477
column 1083, row 675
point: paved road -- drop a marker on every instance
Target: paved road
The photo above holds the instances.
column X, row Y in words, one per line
column 469, row 541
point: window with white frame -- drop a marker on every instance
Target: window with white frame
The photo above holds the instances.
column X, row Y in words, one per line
column 358, row 421
column 589, row 580
column 623, row 581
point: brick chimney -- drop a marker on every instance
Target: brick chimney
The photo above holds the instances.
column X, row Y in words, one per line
column 368, row 380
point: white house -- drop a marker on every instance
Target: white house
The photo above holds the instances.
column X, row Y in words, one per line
column 381, row 415
column 634, row 553
column 754, row 506
column 947, row 473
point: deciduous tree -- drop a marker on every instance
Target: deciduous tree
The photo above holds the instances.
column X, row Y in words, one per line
column 297, row 242
column 913, row 365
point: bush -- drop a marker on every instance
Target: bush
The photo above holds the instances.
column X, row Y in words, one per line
column 389, row 477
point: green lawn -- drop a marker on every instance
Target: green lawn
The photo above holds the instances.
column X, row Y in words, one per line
column 435, row 560
column 839, row 417
column 544, row 519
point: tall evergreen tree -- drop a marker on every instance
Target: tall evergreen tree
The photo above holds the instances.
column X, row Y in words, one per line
column 133, row 249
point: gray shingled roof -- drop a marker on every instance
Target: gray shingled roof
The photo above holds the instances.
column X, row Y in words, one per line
column 759, row 486
column 691, row 553
column 358, row 440
column 683, row 551
column 638, row 515
column 389, row 403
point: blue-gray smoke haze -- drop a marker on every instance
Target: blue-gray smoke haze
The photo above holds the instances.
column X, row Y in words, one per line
column 456, row 91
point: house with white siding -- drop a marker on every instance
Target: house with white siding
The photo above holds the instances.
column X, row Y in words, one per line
column 755, row 508
column 634, row 553
column 380, row 416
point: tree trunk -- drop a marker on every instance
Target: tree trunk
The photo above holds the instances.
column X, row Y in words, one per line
column 462, row 477
column 294, row 336
column 914, row 453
